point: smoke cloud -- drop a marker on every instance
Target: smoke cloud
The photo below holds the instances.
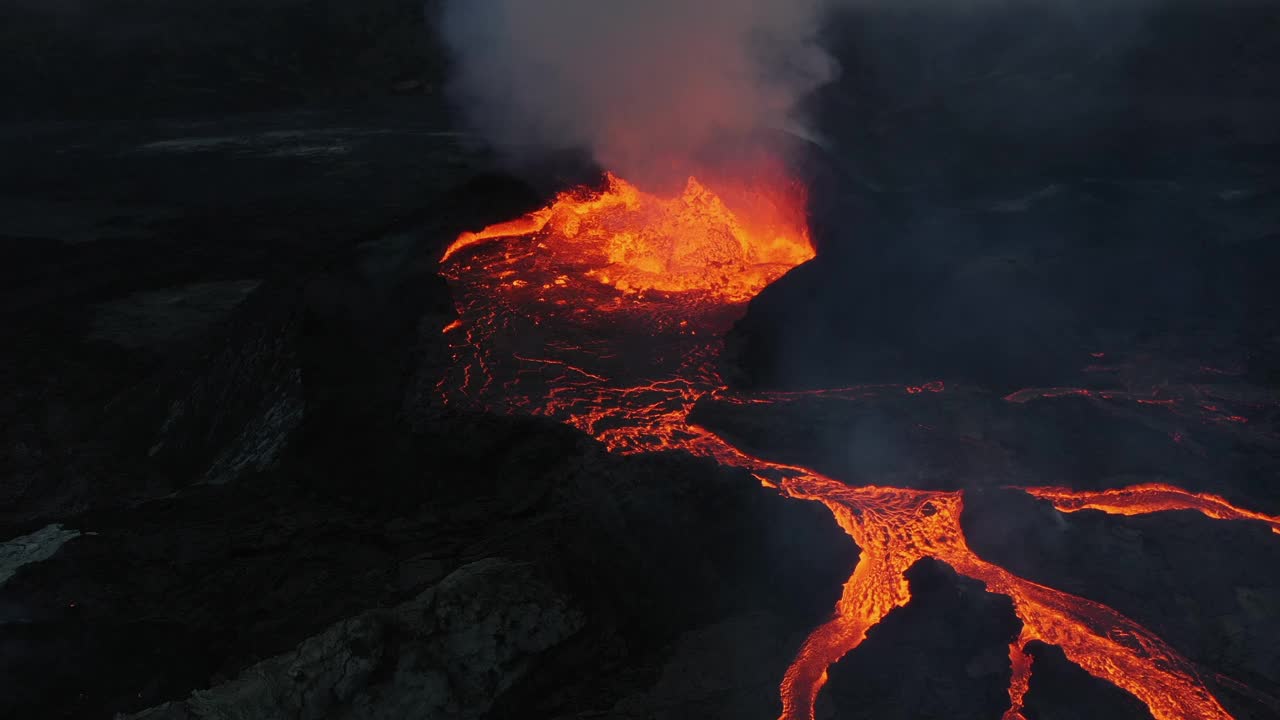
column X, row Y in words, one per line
column 642, row 84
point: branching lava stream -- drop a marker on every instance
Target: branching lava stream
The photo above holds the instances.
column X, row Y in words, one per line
column 605, row 311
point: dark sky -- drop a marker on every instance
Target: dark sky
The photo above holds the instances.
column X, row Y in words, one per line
column 163, row 55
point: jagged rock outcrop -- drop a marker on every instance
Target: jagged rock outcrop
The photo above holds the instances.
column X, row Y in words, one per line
column 32, row 548
column 730, row 669
column 445, row 654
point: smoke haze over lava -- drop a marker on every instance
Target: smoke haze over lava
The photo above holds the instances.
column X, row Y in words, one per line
column 643, row 86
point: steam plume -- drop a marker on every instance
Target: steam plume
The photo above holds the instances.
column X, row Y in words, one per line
column 638, row 83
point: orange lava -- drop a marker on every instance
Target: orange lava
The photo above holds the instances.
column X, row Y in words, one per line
column 1148, row 498
column 1019, row 674
column 693, row 242
column 895, row 528
column 605, row 311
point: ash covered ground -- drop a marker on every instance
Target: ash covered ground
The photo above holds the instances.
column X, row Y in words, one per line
column 228, row 487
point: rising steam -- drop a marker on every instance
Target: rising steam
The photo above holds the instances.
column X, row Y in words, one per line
column 642, row 84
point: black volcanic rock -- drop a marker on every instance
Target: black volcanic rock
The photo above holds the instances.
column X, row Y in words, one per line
column 449, row 652
column 730, row 669
column 1020, row 185
column 1061, row 691
column 944, row 655
column 963, row 437
column 291, row 469
column 126, row 250
column 117, row 57
column 1008, row 292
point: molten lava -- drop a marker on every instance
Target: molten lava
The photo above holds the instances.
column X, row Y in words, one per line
column 1149, row 498
column 636, row 242
column 604, row 311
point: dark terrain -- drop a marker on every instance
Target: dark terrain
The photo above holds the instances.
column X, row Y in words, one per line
column 230, row 488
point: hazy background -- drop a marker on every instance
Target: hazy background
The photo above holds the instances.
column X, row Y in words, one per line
column 1014, row 63
column 148, row 57
column 643, row 86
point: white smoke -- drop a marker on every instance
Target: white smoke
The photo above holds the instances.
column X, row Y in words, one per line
column 641, row 84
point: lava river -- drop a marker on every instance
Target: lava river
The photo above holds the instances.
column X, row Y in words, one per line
column 605, row 311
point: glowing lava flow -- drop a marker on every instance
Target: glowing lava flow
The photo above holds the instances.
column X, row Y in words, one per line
column 896, row 528
column 604, row 311
column 638, row 242
column 1149, row 498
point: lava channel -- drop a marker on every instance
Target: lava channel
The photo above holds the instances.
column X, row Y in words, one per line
column 605, row 311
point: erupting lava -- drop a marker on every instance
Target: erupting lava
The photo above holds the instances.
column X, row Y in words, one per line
column 635, row 241
column 605, row 311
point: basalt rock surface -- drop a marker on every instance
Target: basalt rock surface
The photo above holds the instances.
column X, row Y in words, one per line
column 446, row 653
column 265, row 509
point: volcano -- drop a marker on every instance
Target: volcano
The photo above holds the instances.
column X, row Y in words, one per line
column 741, row 359
column 606, row 309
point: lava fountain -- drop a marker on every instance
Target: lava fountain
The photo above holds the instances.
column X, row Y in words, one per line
column 605, row 309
